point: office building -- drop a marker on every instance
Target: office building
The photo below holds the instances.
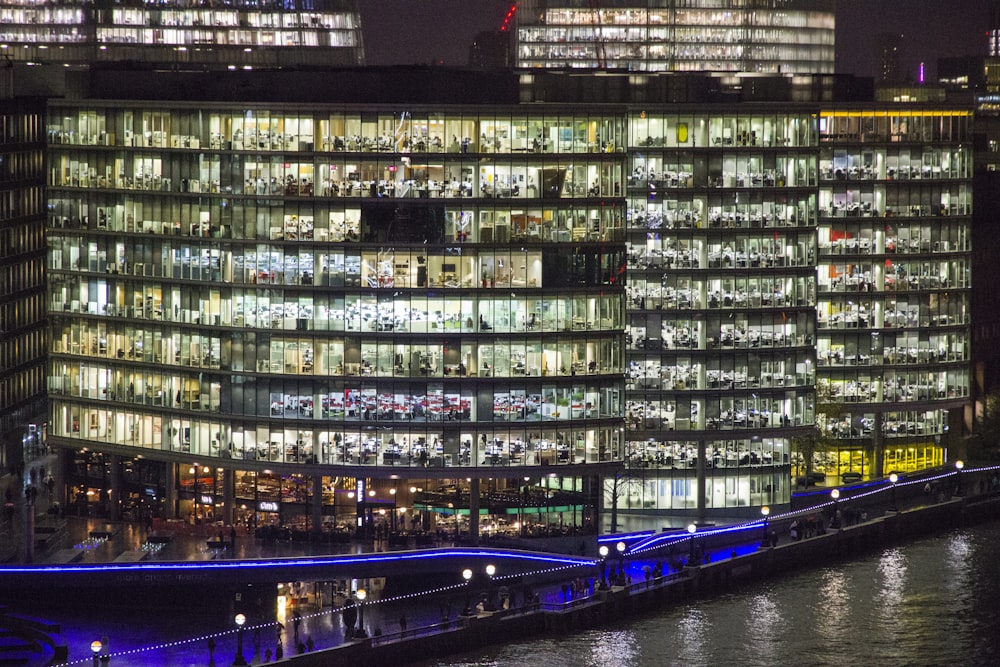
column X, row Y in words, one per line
column 770, row 36
column 22, row 269
column 894, row 281
column 306, row 313
column 255, row 304
column 182, row 33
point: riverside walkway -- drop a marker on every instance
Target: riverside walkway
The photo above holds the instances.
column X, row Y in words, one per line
column 557, row 595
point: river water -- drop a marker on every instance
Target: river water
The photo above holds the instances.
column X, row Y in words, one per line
column 935, row 601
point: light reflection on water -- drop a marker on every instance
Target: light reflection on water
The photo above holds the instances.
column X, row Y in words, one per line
column 930, row 602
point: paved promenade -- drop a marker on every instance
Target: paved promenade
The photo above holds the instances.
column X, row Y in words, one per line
column 148, row 637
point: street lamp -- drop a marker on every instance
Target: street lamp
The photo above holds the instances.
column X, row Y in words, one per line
column 604, row 566
column 692, row 529
column 959, row 464
column 95, row 648
column 835, row 494
column 392, row 518
column 620, row 547
column 194, row 489
column 491, row 569
column 240, row 619
column 467, row 575
column 361, row 595
column 765, row 511
column 893, row 478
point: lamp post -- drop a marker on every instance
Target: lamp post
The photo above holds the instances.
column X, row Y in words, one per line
column 959, row 491
column 765, row 511
column 893, row 478
column 604, row 566
column 692, row 529
column 392, row 517
column 620, row 547
column 361, row 595
column 95, row 648
column 239, row 661
column 467, row 575
column 491, row 569
column 193, row 470
column 835, row 523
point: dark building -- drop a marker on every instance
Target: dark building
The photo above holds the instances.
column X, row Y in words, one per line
column 887, row 66
column 23, row 335
column 491, row 50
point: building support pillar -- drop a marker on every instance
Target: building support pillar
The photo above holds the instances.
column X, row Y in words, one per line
column 700, row 487
column 878, row 447
column 170, row 501
column 115, row 496
column 229, row 496
column 317, row 504
column 474, row 511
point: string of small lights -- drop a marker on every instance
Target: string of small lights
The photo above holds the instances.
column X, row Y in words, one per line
column 332, row 612
column 663, row 541
column 560, row 564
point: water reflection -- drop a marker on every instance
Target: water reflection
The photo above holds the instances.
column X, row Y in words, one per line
column 614, row 648
column 832, row 607
column 890, row 594
column 929, row 602
column 764, row 628
column 693, row 635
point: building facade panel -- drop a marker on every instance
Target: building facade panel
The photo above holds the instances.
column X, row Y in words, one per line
column 240, row 34
column 668, row 36
column 894, row 281
column 23, row 334
column 365, row 291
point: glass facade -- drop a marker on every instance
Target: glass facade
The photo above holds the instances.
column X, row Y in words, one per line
column 240, row 33
column 342, row 295
column 337, row 288
column 23, row 336
column 721, row 303
column 895, row 207
column 776, row 36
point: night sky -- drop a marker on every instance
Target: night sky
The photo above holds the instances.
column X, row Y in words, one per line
column 426, row 31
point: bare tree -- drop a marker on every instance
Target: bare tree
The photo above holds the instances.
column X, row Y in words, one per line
column 622, row 484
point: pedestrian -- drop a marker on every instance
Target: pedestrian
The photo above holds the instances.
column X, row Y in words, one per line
column 267, row 654
column 402, row 624
column 279, row 652
column 232, row 539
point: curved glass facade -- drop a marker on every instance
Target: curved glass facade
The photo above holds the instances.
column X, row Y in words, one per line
column 240, row 33
column 337, row 288
column 324, row 296
column 787, row 36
